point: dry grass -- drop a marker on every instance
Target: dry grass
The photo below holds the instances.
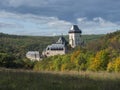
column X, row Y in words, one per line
column 89, row 74
column 12, row 79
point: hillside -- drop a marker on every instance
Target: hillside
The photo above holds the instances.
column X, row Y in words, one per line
column 99, row 53
column 19, row 45
column 111, row 40
column 29, row 80
column 102, row 54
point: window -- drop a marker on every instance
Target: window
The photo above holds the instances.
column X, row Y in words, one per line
column 48, row 48
column 47, row 52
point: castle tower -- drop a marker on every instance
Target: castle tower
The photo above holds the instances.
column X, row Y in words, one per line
column 74, row 36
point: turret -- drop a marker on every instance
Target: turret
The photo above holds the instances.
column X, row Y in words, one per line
column 74, row 36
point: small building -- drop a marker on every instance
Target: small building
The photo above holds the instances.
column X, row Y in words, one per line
column 33, row 55
column 58, row 48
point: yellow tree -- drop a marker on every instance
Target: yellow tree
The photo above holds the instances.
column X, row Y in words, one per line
column 117, row 64
column 114, row 65
column 74, row 55
column 100, row 61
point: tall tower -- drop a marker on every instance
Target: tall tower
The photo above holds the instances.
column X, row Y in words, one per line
column 74, row 36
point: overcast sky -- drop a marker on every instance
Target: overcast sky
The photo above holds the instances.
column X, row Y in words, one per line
column 55, row 17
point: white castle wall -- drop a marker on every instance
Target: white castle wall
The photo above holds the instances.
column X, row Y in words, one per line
column 53, row 52
column 74, row 39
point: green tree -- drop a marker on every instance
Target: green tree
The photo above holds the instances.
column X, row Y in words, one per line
column 81, row 61
column 6, row 60
column 28, row 64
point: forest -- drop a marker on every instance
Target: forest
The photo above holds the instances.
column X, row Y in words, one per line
column 100, row 53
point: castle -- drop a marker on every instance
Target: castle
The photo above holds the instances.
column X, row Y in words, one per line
column 60, row 47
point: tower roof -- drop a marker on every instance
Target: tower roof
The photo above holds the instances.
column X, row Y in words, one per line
column 75, row 29
column 61, row 40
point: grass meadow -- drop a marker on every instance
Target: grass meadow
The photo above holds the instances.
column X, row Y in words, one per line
column 31, row 80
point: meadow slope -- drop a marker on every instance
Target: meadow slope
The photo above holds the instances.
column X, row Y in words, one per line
column 29, row 80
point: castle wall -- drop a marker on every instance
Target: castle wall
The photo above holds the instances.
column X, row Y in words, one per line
column 33, row 55
column 54, row 52
column 74, row 39
column 71, row 39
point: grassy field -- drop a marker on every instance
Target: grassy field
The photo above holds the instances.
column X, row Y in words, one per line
column 29, row 80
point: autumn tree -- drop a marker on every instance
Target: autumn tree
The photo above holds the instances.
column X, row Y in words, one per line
column 114, row 65
column 100, row 61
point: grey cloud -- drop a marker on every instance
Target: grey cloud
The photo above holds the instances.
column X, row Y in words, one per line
column 97, row 25
column 34, row 23
column 64, row 12
column 9, row 25
column 53, row 25
column 32, row 3
column 65, row 9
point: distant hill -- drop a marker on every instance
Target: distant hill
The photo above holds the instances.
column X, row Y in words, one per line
column 19, row 45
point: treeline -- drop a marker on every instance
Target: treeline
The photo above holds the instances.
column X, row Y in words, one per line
column 10, row 61
column 19, row 45
column 99, row 55
column 13, row 48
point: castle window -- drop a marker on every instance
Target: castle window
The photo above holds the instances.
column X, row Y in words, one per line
column 47, row 52
column 48, row 48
